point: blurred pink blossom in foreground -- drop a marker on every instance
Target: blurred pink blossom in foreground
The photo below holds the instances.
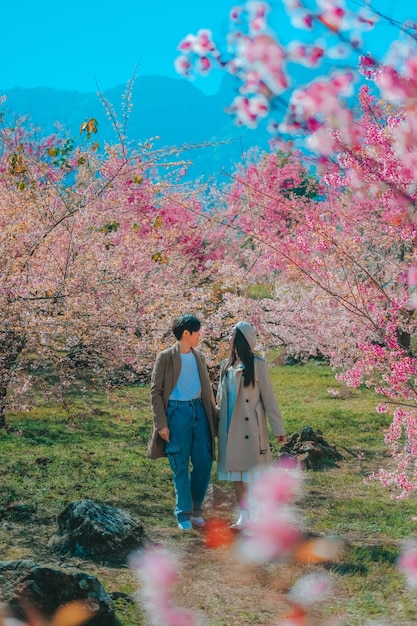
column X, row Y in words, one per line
column 407, row 563
column 158, row 570
column 273, row 530
column 312, row 588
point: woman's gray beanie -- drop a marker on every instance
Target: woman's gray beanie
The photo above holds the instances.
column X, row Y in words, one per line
column 248, row 332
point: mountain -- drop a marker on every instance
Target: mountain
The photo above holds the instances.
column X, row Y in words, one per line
column 172, row 109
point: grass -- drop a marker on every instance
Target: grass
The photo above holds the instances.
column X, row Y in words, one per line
column 50, row 457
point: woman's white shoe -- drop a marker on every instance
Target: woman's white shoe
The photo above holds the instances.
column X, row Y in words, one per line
column 240, row 524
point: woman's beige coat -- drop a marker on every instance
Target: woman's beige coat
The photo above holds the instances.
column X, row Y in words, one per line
column 164, row 378
column 247, row 444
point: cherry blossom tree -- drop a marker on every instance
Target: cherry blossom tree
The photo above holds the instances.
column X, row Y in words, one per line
column 332, row 224
column 98, row 252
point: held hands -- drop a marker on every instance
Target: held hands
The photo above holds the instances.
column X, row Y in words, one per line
column 164, row 433
column 279, row 438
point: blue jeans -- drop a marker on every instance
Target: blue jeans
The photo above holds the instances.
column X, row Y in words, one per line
column 189, row 438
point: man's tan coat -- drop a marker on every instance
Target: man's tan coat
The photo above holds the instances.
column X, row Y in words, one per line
column 164, row 378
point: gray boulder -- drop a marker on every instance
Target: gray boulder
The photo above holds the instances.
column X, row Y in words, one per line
column 98, row 532
column 43, row 591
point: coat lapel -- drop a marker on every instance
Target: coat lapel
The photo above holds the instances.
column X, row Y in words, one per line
column 201, row 373
column 239, row 379
column 176, row 364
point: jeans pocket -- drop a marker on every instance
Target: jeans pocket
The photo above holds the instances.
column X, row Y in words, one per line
column 172, row 451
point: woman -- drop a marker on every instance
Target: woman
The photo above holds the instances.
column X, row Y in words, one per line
column 245, row 397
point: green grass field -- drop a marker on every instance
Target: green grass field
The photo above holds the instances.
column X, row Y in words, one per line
column 97, row 450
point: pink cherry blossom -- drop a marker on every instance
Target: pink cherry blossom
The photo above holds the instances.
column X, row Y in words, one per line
column 273, row 530
column 308, row 55
column 312, row 588
column 262, row 54
column 301, row 19
column 412, row 276
column 158, row 571
column 249, row 110
column 407, row 563
column 204, row 65
column 333, row 16
column 277, row 485
column 235, row 13
column 291, row 5
column 271, row 536
column 187, row 43
column 257, row 15
column 182, row 65
column 365, row 19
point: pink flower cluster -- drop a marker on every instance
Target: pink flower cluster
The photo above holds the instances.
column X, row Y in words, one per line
column 158, row 570
column 273, row 530
column 311, row 588
column 199, row 47
column 260, row 61
column 407, row 563
column 412, row 286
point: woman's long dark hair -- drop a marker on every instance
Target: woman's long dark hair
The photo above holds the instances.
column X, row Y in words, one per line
column 241, row 351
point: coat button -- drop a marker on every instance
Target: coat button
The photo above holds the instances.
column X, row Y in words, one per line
column 247, row 419
column 246, row 436
column 247, row 399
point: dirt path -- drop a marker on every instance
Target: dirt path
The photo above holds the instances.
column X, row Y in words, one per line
column 216, row 583
column 229, row 591
column 224, row 589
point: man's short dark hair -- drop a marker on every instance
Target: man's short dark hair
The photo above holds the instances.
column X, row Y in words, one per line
column 185, row 322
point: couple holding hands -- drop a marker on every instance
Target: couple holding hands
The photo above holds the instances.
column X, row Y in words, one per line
column 187, row 418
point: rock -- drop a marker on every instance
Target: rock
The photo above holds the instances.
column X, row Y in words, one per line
column 311, row 450
column 74, row 596
column 121, row 596
column 98, row 532
column 19, row 511
column 10, row 573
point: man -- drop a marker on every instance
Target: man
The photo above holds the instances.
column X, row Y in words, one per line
column 185, row 419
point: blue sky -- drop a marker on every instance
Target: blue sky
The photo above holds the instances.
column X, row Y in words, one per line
column 81, row 44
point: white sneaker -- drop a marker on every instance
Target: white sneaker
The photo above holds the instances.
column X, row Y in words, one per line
column 241, row 522
column 198, row 521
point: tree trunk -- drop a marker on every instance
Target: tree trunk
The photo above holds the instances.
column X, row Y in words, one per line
column 3, row 393
column 12, row 343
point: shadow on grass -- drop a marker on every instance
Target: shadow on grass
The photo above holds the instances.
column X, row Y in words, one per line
column 362, row 557
column 376, row 553
column 64, row 432
column 348, row 569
